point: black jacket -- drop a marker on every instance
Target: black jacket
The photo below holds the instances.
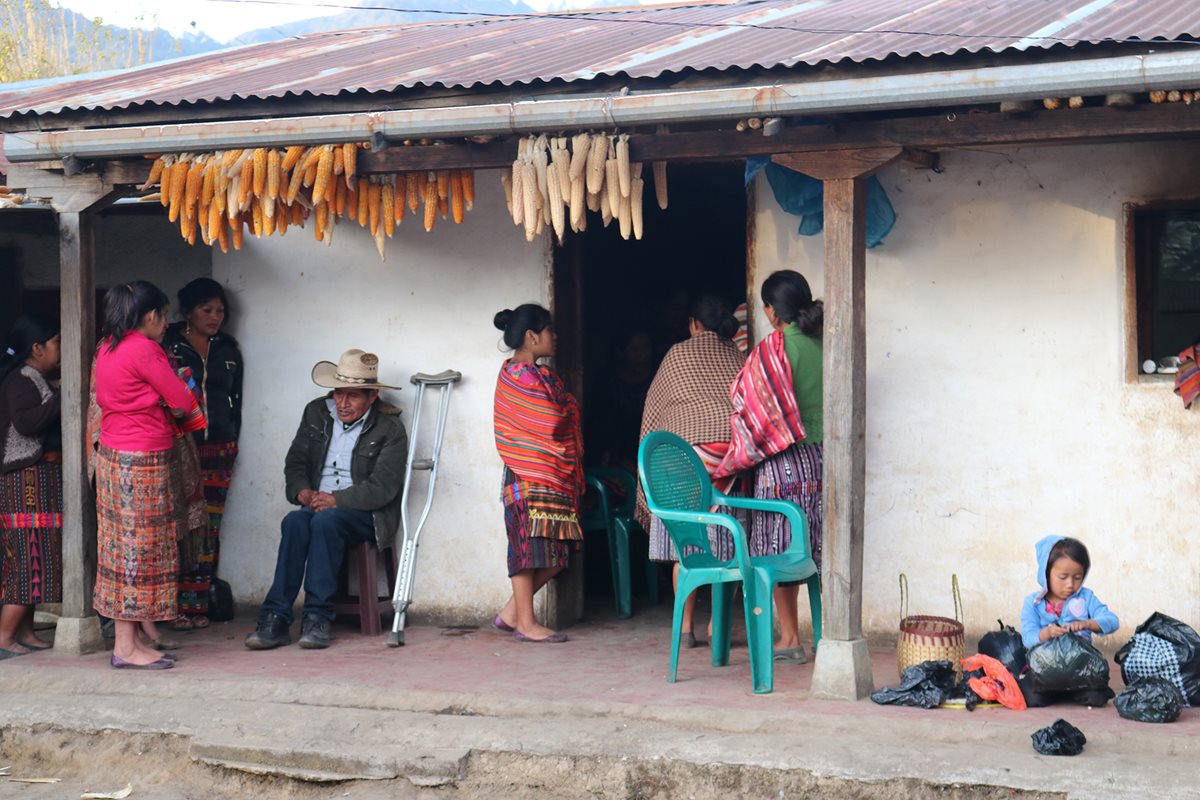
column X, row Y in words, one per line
column 376, row 469
column 220, row 379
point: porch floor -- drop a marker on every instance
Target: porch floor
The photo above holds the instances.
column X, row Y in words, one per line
column 602, row 694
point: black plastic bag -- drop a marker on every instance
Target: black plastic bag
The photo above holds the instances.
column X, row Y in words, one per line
column 1186, row 643
column 1067, row 664
column 1150, row 700
column 220, row 601
column 923, row 685
column 1060, row 739
column 964, row 692
column 1005, row 646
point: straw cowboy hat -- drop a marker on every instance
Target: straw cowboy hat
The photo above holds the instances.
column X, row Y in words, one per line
column 355, row 369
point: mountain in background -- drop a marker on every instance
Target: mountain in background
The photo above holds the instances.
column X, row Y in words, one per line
column 370, row 18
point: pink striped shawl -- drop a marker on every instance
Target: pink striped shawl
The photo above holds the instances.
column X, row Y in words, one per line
column 766, row 419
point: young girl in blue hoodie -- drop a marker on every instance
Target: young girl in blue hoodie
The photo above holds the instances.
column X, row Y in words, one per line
column 1063, row 607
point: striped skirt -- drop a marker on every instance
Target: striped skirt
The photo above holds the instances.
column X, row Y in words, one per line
column 137, row 551
column 526, row 551
column 31, row 501
column 795, row 475
column 720, row 540
column 216, row 471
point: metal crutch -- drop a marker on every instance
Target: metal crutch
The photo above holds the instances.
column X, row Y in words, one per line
column 407, row 562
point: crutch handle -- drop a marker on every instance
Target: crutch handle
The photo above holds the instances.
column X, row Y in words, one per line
column 449, row 376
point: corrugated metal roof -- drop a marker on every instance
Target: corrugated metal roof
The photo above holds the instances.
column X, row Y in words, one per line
column 643, row 42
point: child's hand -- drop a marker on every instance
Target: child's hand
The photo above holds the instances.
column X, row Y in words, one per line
column 1084, row 625
column 1052, row 631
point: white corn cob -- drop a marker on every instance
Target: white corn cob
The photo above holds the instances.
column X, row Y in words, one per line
column 506, row 182
column 623, row 173
column 580, row 146
column 660, row 183
column 577, row 202
column 557, row 215
column 612, row 185
column 529, row 194
column 518, row 192
column 595, row 166
column 635, row 208
column 561, row 159
column 625, row 217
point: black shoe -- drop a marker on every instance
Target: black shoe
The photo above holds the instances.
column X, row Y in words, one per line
column 272, row 631
column 314, row 633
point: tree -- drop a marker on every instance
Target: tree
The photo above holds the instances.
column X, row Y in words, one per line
column 40, row 40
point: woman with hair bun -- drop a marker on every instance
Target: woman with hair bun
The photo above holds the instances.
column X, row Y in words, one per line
column 539, row 440
column 778, row 426
column 30, row 481
column 690, row 398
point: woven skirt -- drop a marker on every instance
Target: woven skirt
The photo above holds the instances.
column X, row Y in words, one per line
column 199, row 564
column 31, row 501
column 137, row 548
column 525, row 551
column 795, row 475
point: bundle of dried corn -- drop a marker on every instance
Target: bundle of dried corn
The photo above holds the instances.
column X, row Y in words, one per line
column 555, row 181
column 217, row 196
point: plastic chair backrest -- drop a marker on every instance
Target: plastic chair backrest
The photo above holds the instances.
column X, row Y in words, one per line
column 674, row 479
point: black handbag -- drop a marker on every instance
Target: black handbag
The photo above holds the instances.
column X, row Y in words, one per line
column 220, row 601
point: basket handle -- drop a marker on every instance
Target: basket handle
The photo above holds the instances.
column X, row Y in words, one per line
column 958, row 606
column 903, row 596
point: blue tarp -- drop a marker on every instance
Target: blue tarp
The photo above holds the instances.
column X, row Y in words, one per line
column 803, row 196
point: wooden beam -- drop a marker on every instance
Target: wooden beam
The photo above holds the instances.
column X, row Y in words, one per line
column 836, row 164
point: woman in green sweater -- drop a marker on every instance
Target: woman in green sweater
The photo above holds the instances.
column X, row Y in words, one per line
column 795, row 473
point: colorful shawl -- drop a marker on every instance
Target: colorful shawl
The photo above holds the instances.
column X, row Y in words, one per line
column 766, row 419
column 537, row 428
column 1187, row 380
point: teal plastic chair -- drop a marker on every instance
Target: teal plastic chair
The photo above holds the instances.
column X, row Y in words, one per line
column 680, row 493
column 616, row 519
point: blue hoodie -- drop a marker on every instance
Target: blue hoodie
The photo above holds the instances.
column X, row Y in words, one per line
column 1081, row 605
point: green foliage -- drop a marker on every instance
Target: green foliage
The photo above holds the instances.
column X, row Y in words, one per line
column 40, row 40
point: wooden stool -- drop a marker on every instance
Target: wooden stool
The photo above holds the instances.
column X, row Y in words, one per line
column 366, row 605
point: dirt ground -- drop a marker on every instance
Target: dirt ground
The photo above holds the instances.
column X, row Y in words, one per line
column 158, row 766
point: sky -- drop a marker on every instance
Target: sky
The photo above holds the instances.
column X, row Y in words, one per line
column 222, row 19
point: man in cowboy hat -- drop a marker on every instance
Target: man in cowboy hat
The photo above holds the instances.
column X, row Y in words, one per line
column 345, row 469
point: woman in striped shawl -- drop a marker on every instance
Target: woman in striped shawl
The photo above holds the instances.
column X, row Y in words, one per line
column 777, row 429
column 690, row 398
column 539, row 440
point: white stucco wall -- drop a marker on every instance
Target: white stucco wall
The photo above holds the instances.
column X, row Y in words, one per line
column 428, row 308
column 997, row 407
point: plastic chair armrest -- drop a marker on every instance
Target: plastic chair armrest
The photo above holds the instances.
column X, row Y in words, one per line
column 794, row 514
column 740, row 545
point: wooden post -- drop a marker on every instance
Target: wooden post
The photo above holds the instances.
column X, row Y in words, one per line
column 78, row 629
column 843, row 665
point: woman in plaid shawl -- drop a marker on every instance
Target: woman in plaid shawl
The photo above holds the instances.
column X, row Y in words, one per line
column 690, row 398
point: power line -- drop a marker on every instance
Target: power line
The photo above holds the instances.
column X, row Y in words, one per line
column 612, row 18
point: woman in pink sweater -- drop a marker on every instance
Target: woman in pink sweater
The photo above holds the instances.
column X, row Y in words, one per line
column 139, row 396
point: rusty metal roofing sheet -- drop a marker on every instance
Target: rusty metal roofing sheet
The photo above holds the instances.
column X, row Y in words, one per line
column 640, row 42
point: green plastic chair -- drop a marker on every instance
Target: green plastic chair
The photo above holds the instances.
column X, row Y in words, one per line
column 616, row 519
column 680, row 493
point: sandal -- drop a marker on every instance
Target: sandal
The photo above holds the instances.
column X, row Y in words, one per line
column 199, row 622
column 182, row 623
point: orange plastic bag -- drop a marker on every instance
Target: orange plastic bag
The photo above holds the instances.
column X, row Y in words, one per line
column 997, row 684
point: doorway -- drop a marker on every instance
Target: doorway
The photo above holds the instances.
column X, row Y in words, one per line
column 620, row 305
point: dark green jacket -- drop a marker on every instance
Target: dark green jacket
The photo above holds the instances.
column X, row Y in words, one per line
column 377, row 468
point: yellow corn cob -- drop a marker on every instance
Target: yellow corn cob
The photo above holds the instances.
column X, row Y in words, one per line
column 1173, row 96
column 292, row 157
column 281, row 220
column 310, row 173
column 209, row 184
column 398, row 200
column 268, row 219
column 660, row 184
column 1055, row 103
column 153, row 197
column 156, row 171
column 228, row 158
column 431, row 200
column 256, row 217
column 297, row 215
column 350, row 163
column 387, row 206
column 636, row 186
column 352, row 201
column 580, row 146
column 457, row 202
column 597, row 155
column 235, row 230
column 191, row 191
column 202, row 224
column 412, row 191
column 443, row 206
column 320, row 220
column 294, row 186
column 623, row 164
column 324, row 174
column 274, row 173
column 164, row 190
column 260, row 171
column 443, row 184
column 468, row 185
column 506, row 182
column 339, row 199
column 363, row 197
column 312, row 156
column 178, row 184
column 338, row 164
column 223, row 235
column 231, row 197
column 246, row 187
column 374, row 191
column 186, row 224
column 215, row 221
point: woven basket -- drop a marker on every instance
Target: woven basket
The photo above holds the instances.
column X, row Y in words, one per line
column 927, row 638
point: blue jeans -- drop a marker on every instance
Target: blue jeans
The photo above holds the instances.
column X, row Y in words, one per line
column 312, row 546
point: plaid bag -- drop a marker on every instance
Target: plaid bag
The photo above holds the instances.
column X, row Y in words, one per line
column 1149, row 656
